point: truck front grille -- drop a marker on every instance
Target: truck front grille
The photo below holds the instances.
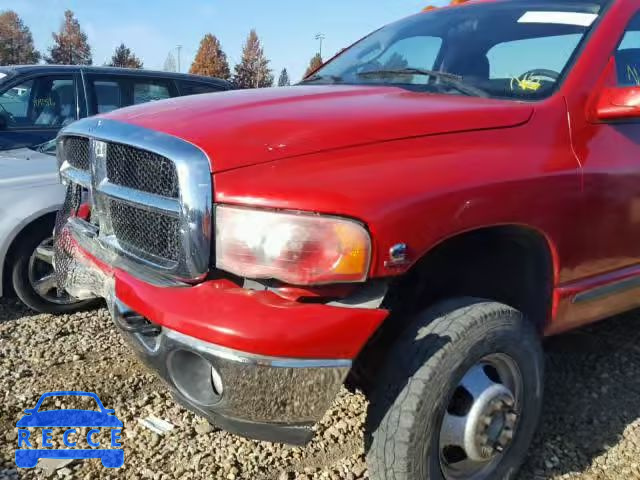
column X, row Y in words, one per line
column 142, row 170
column 76, row 151
column 149, row 193
column 144, row 232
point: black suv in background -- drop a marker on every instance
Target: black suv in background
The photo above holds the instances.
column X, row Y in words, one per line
column 38, row 100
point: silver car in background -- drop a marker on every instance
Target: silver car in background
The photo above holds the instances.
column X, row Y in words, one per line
column 30, row 196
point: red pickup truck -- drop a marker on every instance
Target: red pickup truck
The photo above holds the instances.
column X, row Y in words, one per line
column 417, row 214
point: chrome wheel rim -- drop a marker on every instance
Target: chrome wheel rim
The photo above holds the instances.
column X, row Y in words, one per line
column 481, row 419
column 42, row 276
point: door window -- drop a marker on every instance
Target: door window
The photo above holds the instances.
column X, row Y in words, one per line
column 15, row 101
column 628, row 55
column 150, row 91
column 41, row 102
column 194, row 88
column 108, row 95
column 110, row 92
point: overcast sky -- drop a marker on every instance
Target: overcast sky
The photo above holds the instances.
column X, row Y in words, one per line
column 151, row 28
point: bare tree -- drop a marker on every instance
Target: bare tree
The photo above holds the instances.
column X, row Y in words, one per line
column 170, row 63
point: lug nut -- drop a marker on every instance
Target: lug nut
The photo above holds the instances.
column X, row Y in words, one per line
column 487, row 451
column 506, row 436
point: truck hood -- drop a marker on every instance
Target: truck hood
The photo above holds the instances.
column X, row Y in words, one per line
column 24, row 166
column 247, row 127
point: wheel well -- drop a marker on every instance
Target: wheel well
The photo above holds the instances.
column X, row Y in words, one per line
column 509, row 264
column 27, row 229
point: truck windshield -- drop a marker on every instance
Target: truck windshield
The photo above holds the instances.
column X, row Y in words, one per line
column 517, row 49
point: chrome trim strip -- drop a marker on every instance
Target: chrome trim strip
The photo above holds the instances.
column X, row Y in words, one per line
column 603, row 291
column 138, row 198
column 75, row 175
column 193, row 208
column 161, row 265
column 81, row 227
column 104, row 250
column 84, row 89
column 250, row 358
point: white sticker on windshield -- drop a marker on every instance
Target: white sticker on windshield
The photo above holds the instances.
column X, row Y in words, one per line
column 564, row 18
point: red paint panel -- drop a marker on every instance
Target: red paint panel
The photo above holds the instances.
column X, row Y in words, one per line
column 424, row 190
column 258, row 322
column 575, row 314
column 247, row 127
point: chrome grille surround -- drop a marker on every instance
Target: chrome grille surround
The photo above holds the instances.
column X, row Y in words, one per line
column 161, row 234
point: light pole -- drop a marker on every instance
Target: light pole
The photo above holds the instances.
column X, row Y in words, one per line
column 320, row 37
column 179, row 48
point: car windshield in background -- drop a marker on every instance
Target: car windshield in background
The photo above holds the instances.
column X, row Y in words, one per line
column 518, row 49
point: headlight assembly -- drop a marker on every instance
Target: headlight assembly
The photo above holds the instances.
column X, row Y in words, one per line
column 295, row 248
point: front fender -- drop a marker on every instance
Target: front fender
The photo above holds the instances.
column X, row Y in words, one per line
column 20, row 207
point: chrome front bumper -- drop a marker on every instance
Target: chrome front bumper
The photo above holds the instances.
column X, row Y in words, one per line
column 266, row 398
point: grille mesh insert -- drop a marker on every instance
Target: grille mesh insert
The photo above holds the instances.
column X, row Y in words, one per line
column 145, row 231
column 142, row 170
column 76, row 152
column 63, row 244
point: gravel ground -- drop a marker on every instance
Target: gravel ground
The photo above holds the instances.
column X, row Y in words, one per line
column 590, row 429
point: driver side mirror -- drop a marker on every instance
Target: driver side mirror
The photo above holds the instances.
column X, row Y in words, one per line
column 3, row 122
column 619, row 103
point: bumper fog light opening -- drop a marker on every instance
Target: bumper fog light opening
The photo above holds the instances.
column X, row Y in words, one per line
column 194, row 378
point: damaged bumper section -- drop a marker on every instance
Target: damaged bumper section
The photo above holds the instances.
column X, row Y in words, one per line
column 249, row 361
column 267, row 398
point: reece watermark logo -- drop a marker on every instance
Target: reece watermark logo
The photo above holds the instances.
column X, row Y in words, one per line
column 27, row 455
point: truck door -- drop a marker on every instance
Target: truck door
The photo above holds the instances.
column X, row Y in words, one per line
column 605, row 277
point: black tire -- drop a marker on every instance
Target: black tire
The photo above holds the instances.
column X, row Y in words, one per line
column 423, row 371
column 27, row 242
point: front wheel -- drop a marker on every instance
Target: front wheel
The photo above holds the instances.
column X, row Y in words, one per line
column 460, row 397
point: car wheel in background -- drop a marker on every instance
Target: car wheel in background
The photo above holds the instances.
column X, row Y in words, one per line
column 33, row 276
